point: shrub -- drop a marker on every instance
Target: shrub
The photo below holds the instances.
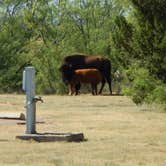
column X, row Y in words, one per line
column 158, row 95
column 142, row 87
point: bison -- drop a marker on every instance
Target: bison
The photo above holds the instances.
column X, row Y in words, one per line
column 90, row 76
column 81, row 61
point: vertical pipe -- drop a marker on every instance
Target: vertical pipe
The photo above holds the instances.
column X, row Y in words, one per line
column 30, row 104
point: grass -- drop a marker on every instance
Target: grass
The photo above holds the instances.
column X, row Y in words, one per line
column 118, row 133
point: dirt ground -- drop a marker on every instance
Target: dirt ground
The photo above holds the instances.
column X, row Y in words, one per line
column 118, row 132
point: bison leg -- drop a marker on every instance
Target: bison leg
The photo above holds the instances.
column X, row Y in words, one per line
column 71, row 89
column 94, row 89
column 102, row 85
column 77, row 88
column 92, row 86
column 107, row 73
column 109, row 83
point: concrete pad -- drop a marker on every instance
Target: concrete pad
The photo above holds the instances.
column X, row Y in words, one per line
column 11, row 115
column 51, row 137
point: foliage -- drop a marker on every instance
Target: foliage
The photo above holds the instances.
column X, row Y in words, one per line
column 138, row 37
column 158, row 95
column 141, row 35
column 142, row 87
column 41, row 33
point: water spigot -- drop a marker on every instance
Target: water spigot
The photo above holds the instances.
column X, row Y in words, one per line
column 38, row 98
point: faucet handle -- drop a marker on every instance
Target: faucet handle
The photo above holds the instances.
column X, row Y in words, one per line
column 38, row 98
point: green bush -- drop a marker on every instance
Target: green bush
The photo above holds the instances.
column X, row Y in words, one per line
column 142, row 87
column 158, row 95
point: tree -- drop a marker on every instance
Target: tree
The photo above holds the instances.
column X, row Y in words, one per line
column 144, row 37
column 139, row 37
column 41, row 33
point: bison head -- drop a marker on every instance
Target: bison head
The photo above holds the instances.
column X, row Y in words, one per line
column 67, row 72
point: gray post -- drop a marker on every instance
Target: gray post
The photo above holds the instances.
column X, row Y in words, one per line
column 29, row 87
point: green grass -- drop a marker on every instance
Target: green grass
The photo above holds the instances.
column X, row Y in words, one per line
column 118, row 133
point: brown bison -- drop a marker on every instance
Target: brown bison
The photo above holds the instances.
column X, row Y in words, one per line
column 80, row 61
column 90, row 76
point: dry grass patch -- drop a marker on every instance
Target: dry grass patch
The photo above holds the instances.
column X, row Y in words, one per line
column 117, row 132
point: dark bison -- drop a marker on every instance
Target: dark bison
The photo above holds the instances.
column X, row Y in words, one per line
column 87, row 76
column 80, row 61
